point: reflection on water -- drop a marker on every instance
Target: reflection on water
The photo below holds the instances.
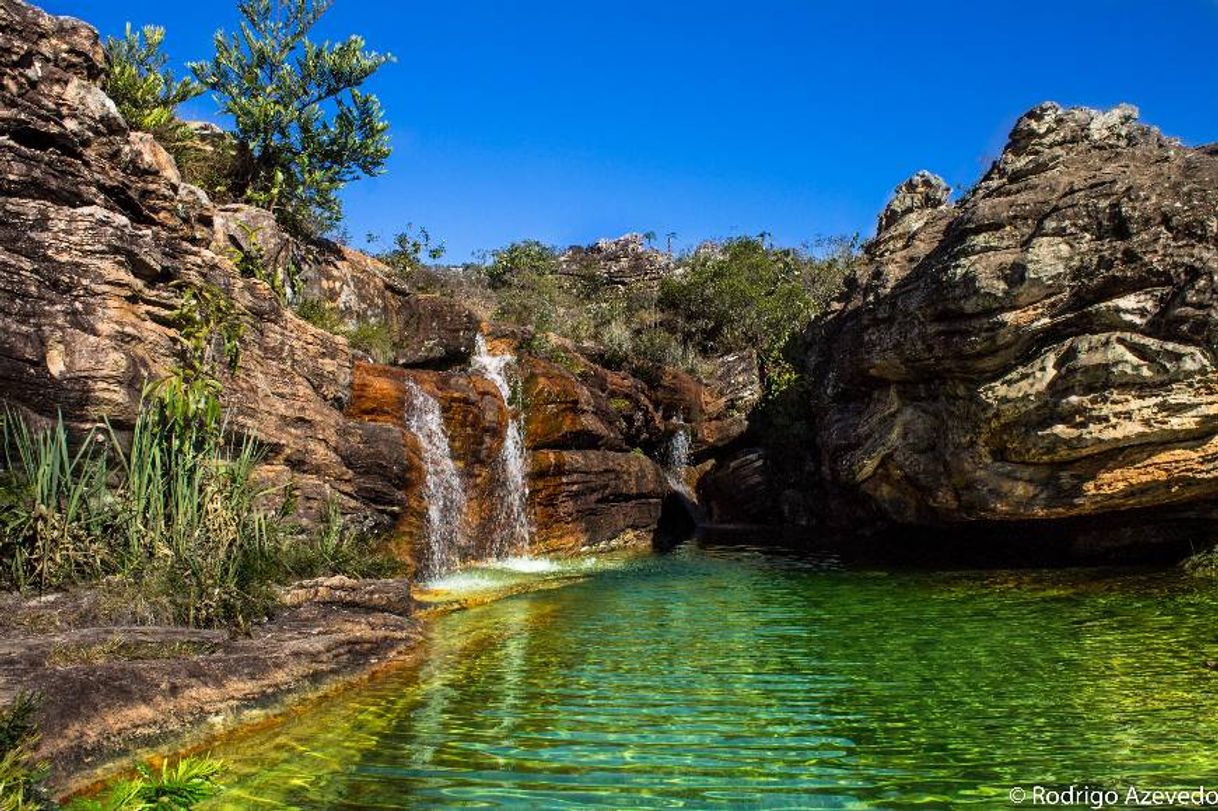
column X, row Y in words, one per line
column 740, row 680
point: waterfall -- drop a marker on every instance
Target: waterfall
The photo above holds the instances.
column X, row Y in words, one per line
column 511, row 520
column 442, row 487
column 676, row 459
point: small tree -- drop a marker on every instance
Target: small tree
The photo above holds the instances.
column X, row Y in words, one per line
column 296, row 106
column 144, row 89
column 409, row 248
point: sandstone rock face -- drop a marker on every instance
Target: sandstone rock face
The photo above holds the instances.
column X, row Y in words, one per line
column 360, row 289
column 99, row 236
column 1043, row 349
column 582, row 498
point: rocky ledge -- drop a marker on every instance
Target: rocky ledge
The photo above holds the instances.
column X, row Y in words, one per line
column 108, row 689
column 1042, row 350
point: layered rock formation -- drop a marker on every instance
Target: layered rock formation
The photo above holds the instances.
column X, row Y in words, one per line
column 1043, row 349
column 99, row 236
column 627, row 261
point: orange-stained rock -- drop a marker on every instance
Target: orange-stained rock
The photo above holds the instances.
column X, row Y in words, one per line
column 561, row 412
column 378, row 393
column 475, row 415
column 581, row 498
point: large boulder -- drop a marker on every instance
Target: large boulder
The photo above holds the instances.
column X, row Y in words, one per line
column 1043, row 349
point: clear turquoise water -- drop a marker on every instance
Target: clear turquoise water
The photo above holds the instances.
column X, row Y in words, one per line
column 741, row 680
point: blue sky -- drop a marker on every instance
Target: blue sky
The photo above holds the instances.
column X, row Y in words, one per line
column 567, row 121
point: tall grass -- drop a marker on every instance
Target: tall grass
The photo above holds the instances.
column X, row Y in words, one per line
column 174, row 520
column 52, row 503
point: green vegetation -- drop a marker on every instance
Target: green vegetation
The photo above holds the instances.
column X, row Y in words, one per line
column 320, row 314
column 747, row 294
column 145, row 91
column 178, row 786
column 252, row 263
column 176, row 526
column 740, row 294
column 20, row 776
column 409, row 248
column 171, row 517
column 374, row 337
column 519, row 260
column 302, row 126
column 297, row 108
column 118, row 648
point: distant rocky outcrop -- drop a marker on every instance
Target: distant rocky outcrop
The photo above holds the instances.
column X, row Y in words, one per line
column 1042, row 349
column 624, row 262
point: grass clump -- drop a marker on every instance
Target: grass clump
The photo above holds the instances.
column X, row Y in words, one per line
column 375, row 337
column 177, row 786
column 176, row 525
column 20, row 775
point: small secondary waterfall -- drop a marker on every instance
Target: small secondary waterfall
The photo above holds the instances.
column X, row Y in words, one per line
column 443, row 488
column 511, row 510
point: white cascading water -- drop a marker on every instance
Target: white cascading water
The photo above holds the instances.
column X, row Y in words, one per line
column 511, row 517
column 676, row 459
column 442, row 487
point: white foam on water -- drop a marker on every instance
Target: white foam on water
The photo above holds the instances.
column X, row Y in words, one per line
column 527, row 565
column 461, row 581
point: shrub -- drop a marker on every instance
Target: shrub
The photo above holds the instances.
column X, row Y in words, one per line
column 53, row 508
column 409, row 247
column 214, row 161
column 320, row 314
column 746, row 294
column 252, row 263
column 534, row 300
column 145, row 90
column 336, row 547
column 374, row 337
column 520, row 258
column 297, row 108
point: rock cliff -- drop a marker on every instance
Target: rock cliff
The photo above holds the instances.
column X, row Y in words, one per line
column 1042, row 349
column 99, row 236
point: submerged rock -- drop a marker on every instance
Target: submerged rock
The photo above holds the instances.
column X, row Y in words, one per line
column 1044, row 348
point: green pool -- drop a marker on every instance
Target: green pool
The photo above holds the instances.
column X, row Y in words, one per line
column 739, row 679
